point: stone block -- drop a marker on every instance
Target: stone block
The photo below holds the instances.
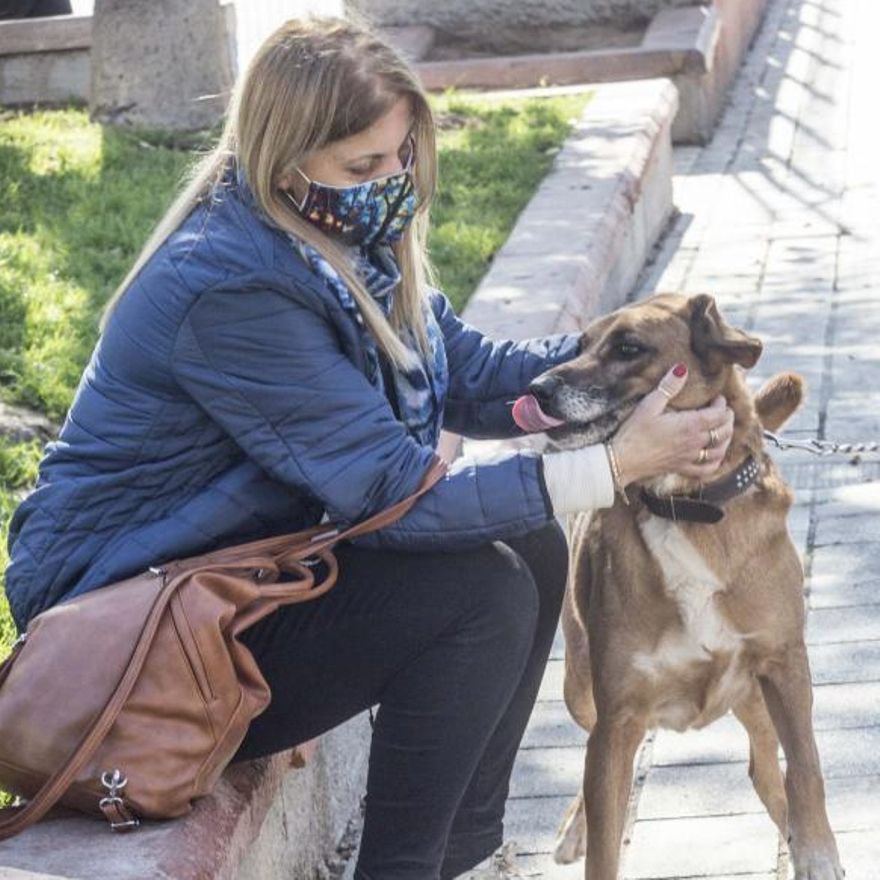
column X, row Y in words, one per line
column 57, row 33
column 262, row 817
column 144, row 52
column 413, row 41
column 58, row 77
column 19, row 424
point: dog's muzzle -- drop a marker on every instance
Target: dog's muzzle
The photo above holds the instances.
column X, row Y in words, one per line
column 570, row 416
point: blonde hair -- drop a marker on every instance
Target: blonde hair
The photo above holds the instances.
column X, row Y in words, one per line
column 312, row 82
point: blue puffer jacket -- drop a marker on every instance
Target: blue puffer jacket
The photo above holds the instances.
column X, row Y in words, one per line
column 227, row 401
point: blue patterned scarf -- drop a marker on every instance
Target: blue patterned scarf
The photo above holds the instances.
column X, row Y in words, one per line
column 420, row 391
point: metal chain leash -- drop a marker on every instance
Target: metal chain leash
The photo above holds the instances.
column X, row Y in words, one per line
column 821, row 447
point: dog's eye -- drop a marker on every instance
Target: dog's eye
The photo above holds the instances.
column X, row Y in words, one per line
column 627, row 350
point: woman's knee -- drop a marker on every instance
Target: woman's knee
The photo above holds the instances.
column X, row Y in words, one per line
column 545, row 552
column 505, row 597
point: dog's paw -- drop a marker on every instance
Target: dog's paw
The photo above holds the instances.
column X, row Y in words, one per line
column 820, row 865
column 569, row 850
column 571, row 844
column 571, row 839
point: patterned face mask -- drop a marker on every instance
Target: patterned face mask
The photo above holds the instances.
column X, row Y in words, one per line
column 376, row 210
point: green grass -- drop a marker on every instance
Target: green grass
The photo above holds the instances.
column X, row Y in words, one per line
column 493, row 155
column 79, row 199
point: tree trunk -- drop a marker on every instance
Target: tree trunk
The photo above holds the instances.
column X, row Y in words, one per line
column 161, row 63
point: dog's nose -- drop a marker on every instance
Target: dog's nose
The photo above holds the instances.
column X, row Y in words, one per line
column 544, row 387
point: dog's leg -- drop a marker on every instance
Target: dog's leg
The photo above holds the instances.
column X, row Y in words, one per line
column 607, row 784
column 764, row 768
column 571, row 839
column 788, row 692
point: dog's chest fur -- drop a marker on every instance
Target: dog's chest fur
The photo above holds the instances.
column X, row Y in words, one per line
column 696, row 670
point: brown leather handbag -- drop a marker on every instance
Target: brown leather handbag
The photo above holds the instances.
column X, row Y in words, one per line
column 130, row 700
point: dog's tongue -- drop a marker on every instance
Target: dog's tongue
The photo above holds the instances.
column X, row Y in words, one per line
column 529, row 416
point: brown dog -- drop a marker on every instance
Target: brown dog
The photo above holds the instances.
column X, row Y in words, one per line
column 671, row 622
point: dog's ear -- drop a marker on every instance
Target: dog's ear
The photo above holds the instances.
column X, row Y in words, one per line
column 715, row 341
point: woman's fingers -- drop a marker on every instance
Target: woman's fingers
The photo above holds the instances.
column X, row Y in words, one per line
column 706, row 435
column 655, row 401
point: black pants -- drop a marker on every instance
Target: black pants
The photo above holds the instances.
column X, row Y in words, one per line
column 33, row 8
column 452, row 647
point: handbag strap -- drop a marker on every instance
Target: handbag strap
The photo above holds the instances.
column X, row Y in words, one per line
column 19, row 818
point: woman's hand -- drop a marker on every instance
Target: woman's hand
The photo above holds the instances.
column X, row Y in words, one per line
column 651, row 441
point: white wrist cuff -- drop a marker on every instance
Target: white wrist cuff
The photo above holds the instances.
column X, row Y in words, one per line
column 579, row 479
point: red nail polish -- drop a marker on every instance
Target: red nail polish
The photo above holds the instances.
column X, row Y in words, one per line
column 679, row 370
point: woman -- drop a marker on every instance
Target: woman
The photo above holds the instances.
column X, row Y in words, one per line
column 276, row 355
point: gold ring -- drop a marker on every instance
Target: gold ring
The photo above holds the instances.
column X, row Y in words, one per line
column 713, row 439
column 703, row 456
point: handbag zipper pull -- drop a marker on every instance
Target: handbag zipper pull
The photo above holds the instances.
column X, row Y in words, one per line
column 112, row 806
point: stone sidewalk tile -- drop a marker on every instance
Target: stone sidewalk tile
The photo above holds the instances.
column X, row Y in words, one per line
column 533, row 822
column 850, row 501
column 542, row 867
column 701, row 847
column 856, row 561
column 552, row 726
column 841, row 706
column 853, row 804
column 723, row 741
column 859, row 854
column 698, row 790
column 725, row 789
column 833, row 592
column 859, row 527
column 845, row 662
column 853, row 751
column 854, row 623
column 551, row 686
column 548, row 771
column 835, row 707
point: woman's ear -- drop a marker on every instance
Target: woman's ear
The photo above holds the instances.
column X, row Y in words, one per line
column 715, row 342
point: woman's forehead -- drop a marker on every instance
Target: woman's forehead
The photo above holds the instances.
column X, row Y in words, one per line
column 385, row 135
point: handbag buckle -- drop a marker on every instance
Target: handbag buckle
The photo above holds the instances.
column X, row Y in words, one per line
column 113, row 806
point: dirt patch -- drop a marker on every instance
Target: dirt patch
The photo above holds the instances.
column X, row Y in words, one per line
column 450, row 46
column 18, row 424
column 450, row 121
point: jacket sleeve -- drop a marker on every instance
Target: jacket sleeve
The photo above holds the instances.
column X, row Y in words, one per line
column 486, row 375
column 269, row 368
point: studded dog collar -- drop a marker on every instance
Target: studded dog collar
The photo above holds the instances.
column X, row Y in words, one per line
column 703, row 506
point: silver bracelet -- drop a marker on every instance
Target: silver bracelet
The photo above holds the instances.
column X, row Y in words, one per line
column 615, row 471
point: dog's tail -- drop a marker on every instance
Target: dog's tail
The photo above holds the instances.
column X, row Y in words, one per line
column 778, row 398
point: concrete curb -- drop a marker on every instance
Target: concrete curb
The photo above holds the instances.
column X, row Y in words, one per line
column 263, row 820
column 580, row 243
